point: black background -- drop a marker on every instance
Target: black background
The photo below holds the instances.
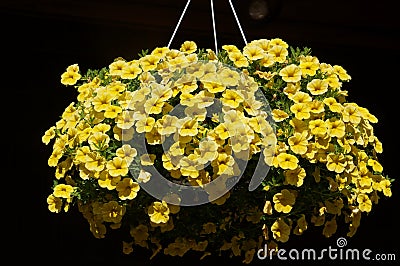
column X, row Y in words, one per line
column 40, row 39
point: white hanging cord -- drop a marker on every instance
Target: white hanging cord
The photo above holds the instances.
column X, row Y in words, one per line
column 213, row 23
column 237, row 21
column 179, row 22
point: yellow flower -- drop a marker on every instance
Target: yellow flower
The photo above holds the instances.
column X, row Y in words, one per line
column 54, row 203
column 139, row 233
column 63, row 191
column 317, row 86
column 147, row 159
column 160, row 52
column 63, row 167
column 254, row 215
column 98, row 141
column 316, row 107
column 189, row 127
column 222, row 131
column 330, row 227
column 167, row 125
column 102, row 128
column 116, row 67
column 188, row 47
column 176, row 249
column 221, row 199
column 364, row 203
column 229, row 77
column 341, row 72
column 231, row 98
column 127, row 189
column 287, row 161
column 98, row 229
column 127, row 247
column 177, row 62
column 334, row 206
column 385, row 186
column 299, row 125
column 116, row 87
column 295, row 177
column 284, row 201
column 190, row 166
column 279, row 115
column 278, row 52
column 71, row 76
column 187, row 99
column 144, row 176
column 74, row 68
column 267, row 61
column 209, row 228
column 149, row 62
column 318, row 220
column 260, row 125
column 326, row 68
column 158, row 212
column 238, row 59
column 131, row 70
column 298, row 143
column 367, row 115
column 112, row 111
column 333, row 105
column 102, row 100
column 49, row 135
column 196, row 112
column 333, row 81
column 253, row 52
column 248, row 256
column 224, row 163
column 336, row 128
column 376, row 166
column 153, row 105
column 291, row 73
column 301, row 225
column 309, row 65
column 125, row 120
column 126, row 152
column 112, row 212
column 213, row 87
column 230, row 48
column 278, row 42
column 262, row 43
column 336, row 162
column 208, row 150
column 351, row 114
column 107, row 181
column 301, row 97
column 280, row 230
column 301, row 110
column 267, row 207
column 117, row 167
column 160, row 92
column 318, row 127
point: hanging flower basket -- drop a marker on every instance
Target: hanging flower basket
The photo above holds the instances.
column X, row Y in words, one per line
column 218, row 153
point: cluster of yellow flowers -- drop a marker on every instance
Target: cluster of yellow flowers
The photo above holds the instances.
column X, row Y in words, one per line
column 277, row 105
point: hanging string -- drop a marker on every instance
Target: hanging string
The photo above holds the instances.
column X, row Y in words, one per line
column 179, row 22
column 213, row 23
column 237, row 21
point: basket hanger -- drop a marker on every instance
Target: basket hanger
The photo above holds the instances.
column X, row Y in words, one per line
column 213, row 23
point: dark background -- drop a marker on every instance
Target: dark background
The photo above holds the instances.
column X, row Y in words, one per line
column 41, row 38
